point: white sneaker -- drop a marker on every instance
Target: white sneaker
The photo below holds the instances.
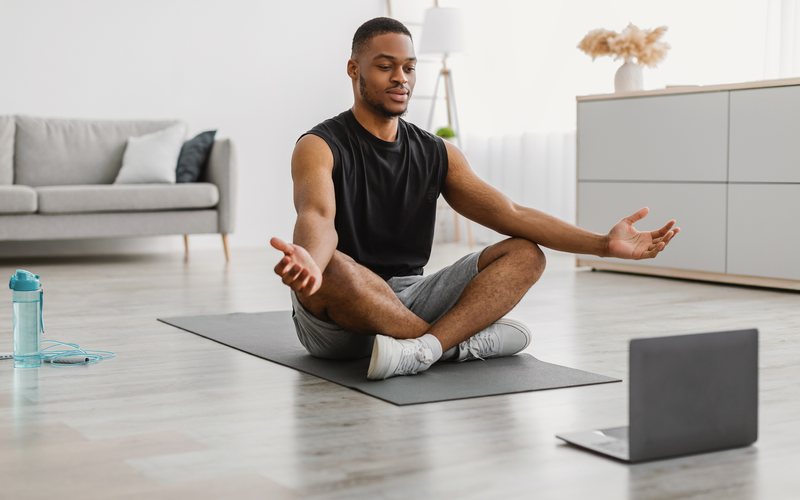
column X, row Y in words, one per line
column 504, row 337
column 392, row 357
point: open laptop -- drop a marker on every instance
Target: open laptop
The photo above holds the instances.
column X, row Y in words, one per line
column 687, row 394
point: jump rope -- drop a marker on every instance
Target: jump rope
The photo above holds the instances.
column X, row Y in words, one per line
column 74, row 356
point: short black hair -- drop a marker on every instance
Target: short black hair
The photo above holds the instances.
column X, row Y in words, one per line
column 373, row 28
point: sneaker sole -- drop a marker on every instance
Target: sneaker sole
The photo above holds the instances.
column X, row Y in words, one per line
column 519, row 326
column 379, row 358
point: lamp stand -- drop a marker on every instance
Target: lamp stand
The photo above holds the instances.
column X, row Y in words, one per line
column 452, row 122
column 446, row 76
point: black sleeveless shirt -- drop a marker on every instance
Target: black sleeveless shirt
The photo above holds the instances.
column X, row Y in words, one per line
column 386, row 193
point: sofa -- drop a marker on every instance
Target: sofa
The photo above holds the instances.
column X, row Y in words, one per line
column 57, row 182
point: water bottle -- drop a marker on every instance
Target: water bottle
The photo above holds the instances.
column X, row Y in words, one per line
column 28, row 299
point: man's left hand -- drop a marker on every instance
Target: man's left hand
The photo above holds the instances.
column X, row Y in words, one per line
column 625, row 242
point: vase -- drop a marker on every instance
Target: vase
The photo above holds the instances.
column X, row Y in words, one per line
column 628, row 77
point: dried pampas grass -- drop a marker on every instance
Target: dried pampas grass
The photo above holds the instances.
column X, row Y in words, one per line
column 632, row 42
column 595, row 43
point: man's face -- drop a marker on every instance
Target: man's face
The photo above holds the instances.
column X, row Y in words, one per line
column 386, row 74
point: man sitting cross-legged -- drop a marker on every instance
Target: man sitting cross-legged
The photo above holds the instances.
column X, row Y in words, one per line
column 365, row 189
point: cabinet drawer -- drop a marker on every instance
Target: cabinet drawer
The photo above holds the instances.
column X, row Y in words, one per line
column 698, row 208
column 765, row 135
column 661, row 138
column 762, row 240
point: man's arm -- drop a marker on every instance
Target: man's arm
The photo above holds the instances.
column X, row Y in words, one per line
column 315, row 237
column 478, row 201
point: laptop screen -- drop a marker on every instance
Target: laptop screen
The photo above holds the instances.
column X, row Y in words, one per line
column 693, row 393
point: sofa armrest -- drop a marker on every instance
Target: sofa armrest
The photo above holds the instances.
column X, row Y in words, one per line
column 222, row 171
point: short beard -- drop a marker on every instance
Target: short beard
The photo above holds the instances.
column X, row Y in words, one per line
column 375, row 105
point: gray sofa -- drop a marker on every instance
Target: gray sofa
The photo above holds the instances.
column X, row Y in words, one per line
column 56, row 182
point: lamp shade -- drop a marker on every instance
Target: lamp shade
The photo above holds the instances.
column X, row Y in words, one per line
column 442, row 31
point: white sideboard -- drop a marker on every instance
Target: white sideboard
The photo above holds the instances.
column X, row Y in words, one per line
column 724, row 161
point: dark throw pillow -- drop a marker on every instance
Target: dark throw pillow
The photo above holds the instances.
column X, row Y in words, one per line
column 194, row 157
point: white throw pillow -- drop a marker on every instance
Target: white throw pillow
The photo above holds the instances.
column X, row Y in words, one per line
column 152, row 157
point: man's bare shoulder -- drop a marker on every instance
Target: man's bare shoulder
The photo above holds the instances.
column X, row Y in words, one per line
column 311, row 151
column 311, row 143
column 456, row 160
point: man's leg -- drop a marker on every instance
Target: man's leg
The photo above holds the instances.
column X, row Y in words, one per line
column 506, row 271
column 360, row 301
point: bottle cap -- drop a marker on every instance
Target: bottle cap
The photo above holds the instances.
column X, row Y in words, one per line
column 24, row 281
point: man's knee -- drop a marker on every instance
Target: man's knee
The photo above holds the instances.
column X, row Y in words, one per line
column 339, row 272
column 336, row 279
column 532, row 259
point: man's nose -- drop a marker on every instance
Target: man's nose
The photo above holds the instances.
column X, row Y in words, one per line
column 399, row 76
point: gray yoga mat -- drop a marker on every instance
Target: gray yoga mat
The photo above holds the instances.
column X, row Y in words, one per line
column 271, row 335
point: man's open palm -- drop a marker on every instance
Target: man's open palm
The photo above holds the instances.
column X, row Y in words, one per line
column 625, row 242
column 297, row 268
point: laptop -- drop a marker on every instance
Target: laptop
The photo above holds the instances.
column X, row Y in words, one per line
column 687, row 394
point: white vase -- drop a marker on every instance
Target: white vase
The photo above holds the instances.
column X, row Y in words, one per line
column 628, row 78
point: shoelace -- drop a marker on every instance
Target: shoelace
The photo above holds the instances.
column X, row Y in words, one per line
column 411, row 359
column 481, row 344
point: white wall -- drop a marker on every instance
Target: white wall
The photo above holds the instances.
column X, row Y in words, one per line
column 260, row 72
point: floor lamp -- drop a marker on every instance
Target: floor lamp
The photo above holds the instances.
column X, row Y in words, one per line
column 443, row 34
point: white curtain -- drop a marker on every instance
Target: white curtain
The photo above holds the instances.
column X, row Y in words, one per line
column 782, row 39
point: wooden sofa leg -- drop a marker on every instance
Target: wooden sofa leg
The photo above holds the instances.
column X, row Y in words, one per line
column 186, row 248
column 225, row 247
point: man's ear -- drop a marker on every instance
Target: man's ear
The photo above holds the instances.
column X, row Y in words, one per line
column 352, row 69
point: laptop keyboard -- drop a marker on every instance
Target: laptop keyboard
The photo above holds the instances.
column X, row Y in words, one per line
column 616, row 446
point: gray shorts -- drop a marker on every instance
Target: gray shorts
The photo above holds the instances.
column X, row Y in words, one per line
column 429, row 297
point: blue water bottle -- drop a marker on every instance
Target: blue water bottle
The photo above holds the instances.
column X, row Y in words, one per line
column 28, row 299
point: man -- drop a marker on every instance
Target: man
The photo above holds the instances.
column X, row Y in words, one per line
column 365, row 190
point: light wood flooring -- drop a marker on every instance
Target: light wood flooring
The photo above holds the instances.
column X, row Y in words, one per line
column 178, row 416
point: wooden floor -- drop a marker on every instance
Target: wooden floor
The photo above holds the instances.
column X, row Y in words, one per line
column 178, row 416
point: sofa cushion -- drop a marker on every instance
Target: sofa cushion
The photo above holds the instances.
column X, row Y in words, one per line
column 51, row 151
column 126, row 197
column 151, row 158
column 194, row 157
column 6, row 150
column 17, row 200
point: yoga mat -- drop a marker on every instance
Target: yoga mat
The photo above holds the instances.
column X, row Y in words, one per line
column 271, row 335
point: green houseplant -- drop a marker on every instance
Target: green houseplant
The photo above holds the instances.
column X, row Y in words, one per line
column 445, row 132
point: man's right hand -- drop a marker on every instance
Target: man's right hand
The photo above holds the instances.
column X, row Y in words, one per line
column 297, row 269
